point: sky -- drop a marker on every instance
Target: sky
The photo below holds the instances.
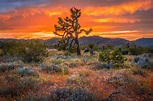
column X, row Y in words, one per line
column 129, row 19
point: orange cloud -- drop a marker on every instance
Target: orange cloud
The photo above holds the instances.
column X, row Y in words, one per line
column 128, row 7
column 116, row 20
column 129, row 35
column 37, row 22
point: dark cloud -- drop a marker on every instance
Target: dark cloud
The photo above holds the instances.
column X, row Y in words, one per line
column 145, row 23
column 7, row 5
column 84, row 3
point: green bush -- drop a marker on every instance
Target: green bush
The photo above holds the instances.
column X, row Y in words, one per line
column 28, row 50
column 136, row 50
column 115, row 57
column 91, row 46
column 67, row 53
column 125, row 51
column 104, row 56
column 57, row 61
column 83, row 47
column 34, row 51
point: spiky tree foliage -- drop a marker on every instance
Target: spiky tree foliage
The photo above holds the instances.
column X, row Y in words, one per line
column 69, row 29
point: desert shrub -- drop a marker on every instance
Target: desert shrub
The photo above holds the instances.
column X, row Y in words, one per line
column 51, row 69
column 143, row 61
column 98, row 66
column 115, row 57
column 136, row 70
column 7, row 47
column 15, row 85
column 25, row 71
column 57, row 61
column 67, row 53
column 83, row 47
column 28, row 51
column 91, row 46
column 105, row 56
column 35, row 97
column 107, row 47
column 75, row 79
column 149, row 49
column 75, row 63
column 34, row 51
column 55, row 69
column 63, row 94
column 124, row 51
column 6, row 67
column 72, row 65
column 135, row 50
column 120, row 79
column 72, row 94
column 1, row 52
column 65, row 70
column 89, row 60
column 84, row 73
column 73, row 49
column 95, row 48
column 136, row 59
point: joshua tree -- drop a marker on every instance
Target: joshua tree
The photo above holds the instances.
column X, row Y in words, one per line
column 69, row 29
column 91, row 48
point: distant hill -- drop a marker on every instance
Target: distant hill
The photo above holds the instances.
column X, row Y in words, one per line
column 144, row 42
column 52, row 40
column 97, row 40
column 9, row 39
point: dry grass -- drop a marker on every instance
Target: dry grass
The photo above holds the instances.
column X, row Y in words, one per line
column 129, row 81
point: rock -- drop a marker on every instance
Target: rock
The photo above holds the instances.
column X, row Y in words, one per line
column 25, row 71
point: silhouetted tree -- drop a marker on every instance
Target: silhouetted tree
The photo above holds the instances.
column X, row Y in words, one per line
column 91, row 49
column 69, row 29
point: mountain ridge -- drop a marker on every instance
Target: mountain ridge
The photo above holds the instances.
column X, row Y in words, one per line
column 99, row 41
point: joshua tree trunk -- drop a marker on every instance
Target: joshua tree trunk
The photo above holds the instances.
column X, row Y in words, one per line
column 78, row 46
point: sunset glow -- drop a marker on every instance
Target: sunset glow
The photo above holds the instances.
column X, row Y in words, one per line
column 129, row 19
